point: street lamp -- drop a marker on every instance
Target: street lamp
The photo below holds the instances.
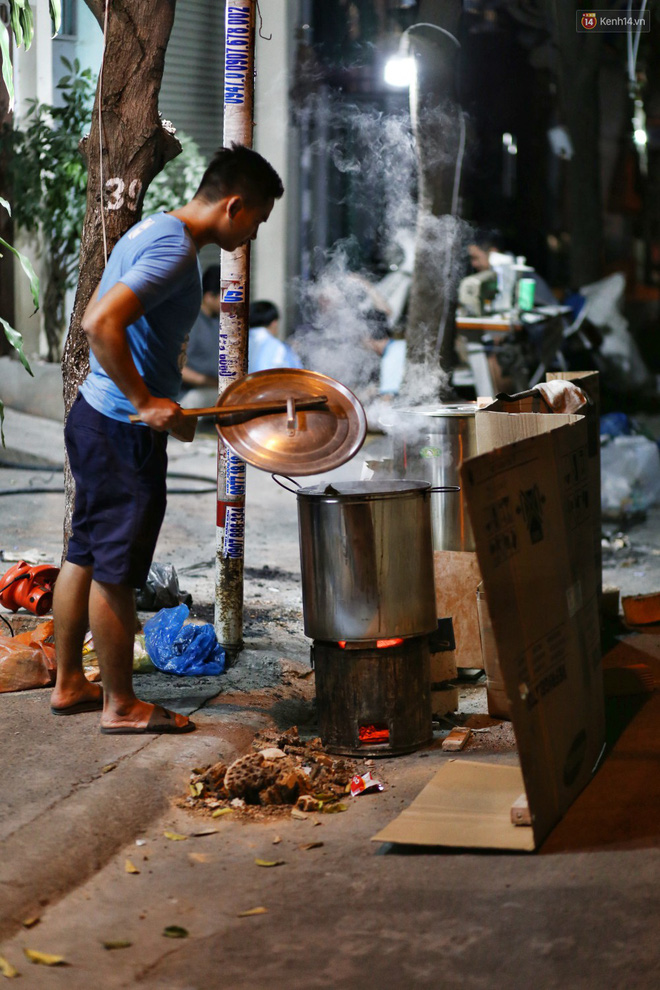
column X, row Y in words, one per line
column 399, row 71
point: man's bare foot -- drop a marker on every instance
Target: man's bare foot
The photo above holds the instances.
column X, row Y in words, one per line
column 145, row 718
column 81, row 697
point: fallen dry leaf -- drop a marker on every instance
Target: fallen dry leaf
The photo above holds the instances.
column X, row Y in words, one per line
column 205, row 831
column 175, row 836
column 332, row 809
column 119, row 943
column 44, row 958
column 311, row 845
column 222, row 811
column 175, row 931
column 278, row 838
column 130, row 867
column 269, row 862
column 31, row 922
column 108, row 767
column 8, row 970
column 252, row 911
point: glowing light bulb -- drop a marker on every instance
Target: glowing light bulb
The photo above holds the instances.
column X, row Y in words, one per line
column 399, row 71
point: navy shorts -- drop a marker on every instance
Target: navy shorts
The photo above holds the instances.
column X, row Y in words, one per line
column 120, row 473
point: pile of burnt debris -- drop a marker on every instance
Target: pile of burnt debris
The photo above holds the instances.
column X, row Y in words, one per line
column 283, row 771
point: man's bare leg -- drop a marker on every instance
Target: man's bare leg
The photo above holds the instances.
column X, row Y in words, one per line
column 70, row 604
column 112, row 620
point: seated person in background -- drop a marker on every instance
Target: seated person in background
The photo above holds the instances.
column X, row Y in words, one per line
column 200, row 371
column 265, row 349
column 486, row 251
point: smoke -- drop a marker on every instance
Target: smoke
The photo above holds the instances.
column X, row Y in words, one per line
column 364, row 163
column 380, row 150
column 340, row 321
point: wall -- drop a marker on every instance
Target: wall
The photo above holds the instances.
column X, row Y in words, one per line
column 271, row 263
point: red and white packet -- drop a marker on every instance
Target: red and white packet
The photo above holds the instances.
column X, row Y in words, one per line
column 363, row 784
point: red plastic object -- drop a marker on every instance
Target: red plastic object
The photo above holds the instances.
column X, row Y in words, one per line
column 28, row 586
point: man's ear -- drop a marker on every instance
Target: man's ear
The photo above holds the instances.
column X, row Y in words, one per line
column 234, row 206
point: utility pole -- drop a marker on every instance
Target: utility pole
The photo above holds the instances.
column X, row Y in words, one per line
column 233, row 334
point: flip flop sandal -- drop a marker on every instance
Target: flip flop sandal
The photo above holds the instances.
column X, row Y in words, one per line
column 161, row 721
column 91, row 705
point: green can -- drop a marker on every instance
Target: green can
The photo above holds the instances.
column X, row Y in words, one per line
column 526, row 289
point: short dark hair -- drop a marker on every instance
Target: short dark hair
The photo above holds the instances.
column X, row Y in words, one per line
column 239, row 170
column 211, row 280
column 488, row 237
column 263, row 313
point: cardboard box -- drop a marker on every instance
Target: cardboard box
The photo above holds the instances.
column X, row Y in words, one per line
column 457, row 577
column 498, row 703
column 531, row 506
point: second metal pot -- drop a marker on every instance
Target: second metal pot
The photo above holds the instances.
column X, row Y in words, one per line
column 431, row 443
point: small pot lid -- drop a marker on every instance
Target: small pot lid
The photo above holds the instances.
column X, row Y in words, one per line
column 322, row 438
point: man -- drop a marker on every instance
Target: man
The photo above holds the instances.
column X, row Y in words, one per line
column 136, row 323
column 200, row 371
column 265, row 349
column 486, row 253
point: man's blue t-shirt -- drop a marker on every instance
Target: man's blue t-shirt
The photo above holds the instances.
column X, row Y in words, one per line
column 158, row 261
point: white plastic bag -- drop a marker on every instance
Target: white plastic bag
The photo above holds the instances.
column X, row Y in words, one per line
column 630, row 476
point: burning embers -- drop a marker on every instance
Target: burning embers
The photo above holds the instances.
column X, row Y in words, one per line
column 284, row 770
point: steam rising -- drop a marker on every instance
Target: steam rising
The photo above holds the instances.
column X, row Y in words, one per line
column 374, row 153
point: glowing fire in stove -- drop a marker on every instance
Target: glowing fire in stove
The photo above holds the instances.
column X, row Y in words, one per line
column 374, row 735
column 381, row 644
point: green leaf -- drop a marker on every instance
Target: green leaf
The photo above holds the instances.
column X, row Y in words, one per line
column 26, row 265
column 55, row 14
column 15, row 8
column 16, row 341
column 7, row 73
column 27, row 20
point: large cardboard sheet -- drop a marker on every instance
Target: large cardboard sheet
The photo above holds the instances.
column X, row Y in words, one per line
column 466, row 804
column 530, row 505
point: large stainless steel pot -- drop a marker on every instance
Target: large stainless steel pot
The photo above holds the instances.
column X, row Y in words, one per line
column 366, row 560
column 430, row 443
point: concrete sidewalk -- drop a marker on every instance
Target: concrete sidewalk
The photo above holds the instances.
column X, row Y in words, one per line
column 63, row 814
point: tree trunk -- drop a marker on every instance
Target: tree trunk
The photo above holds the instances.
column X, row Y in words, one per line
column 136, row 146
column 438, row 129
column 579, row 63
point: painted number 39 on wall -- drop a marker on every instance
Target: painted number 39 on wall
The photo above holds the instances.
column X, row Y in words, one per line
column 118, row 194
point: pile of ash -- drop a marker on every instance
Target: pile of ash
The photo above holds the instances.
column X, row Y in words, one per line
column 283, row 771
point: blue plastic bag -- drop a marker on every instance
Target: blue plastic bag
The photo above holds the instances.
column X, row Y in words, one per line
column 178, row 649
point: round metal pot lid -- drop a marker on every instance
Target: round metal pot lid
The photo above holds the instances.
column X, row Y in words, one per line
column 320, row 440
column 360, row 490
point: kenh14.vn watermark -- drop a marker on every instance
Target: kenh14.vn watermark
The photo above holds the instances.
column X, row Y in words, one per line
column 616, row 21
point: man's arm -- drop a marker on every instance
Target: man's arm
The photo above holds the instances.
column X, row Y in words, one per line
column 105, row 323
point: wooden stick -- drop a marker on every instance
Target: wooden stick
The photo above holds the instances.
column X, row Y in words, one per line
column 249, row 409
